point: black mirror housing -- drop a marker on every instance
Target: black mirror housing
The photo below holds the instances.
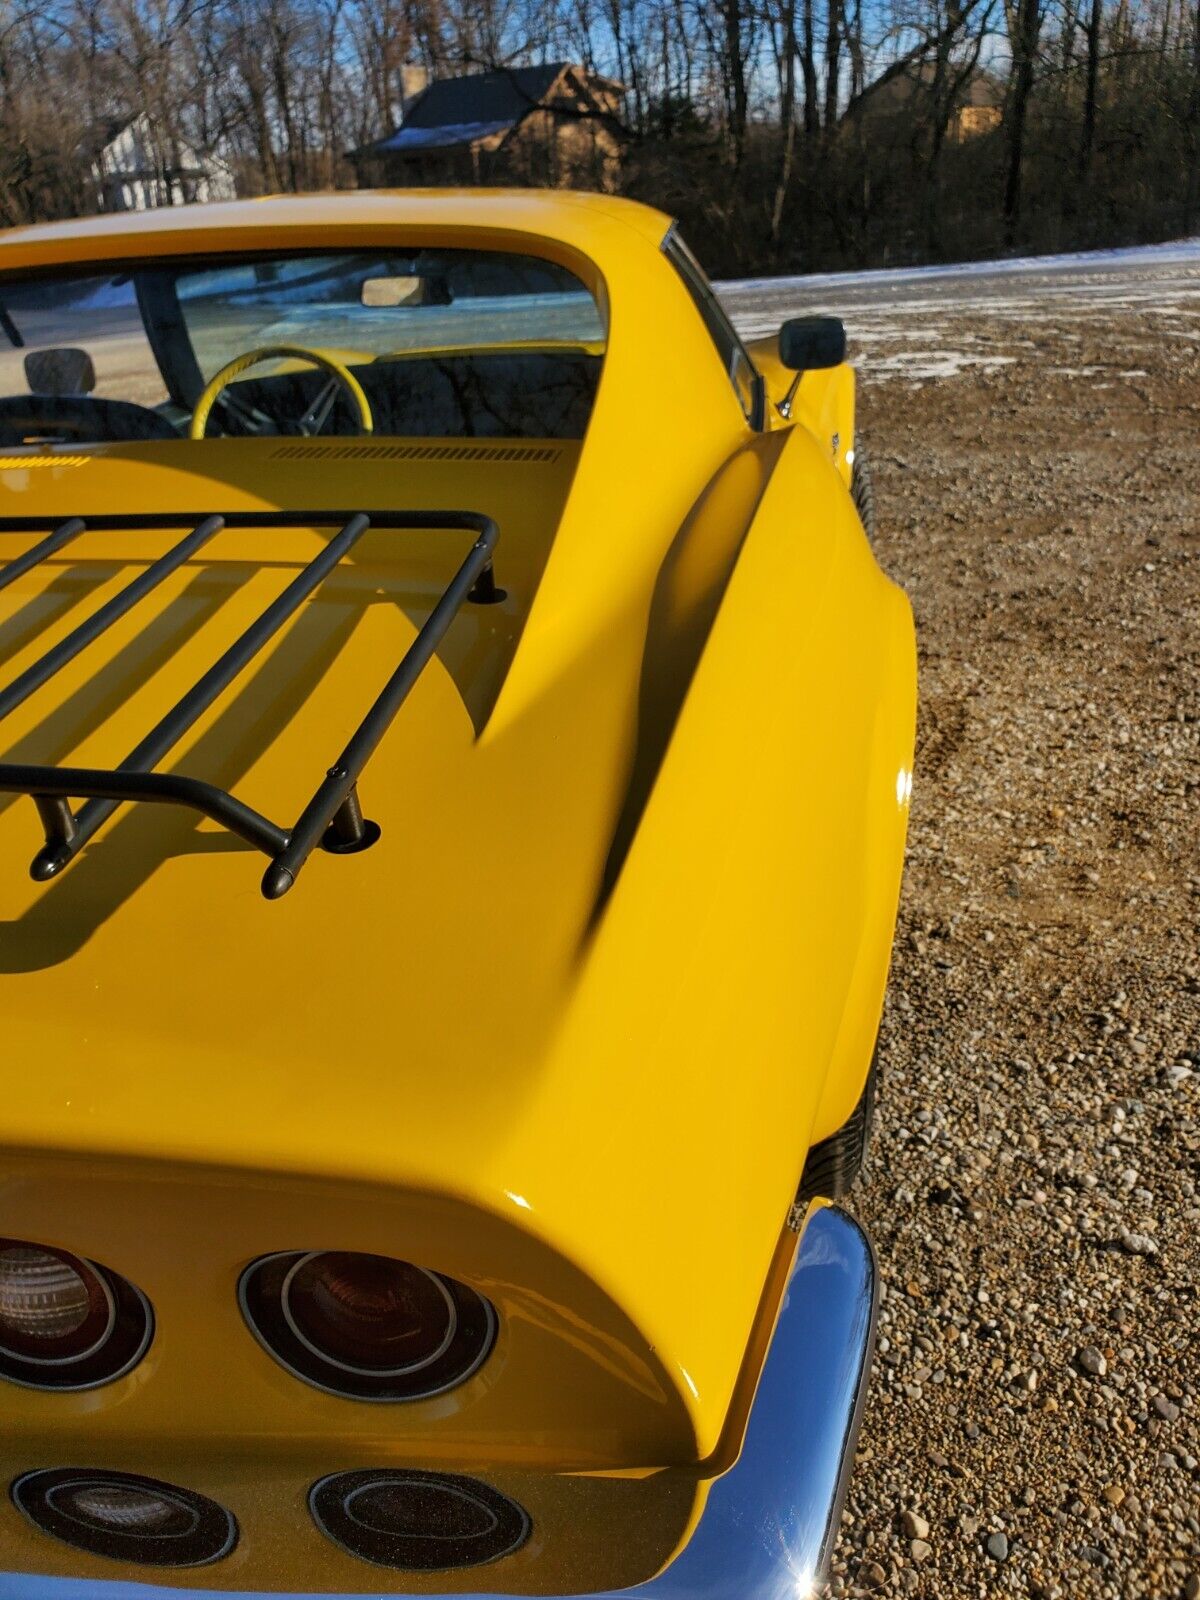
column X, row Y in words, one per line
column 60, row 372
column 809, row 343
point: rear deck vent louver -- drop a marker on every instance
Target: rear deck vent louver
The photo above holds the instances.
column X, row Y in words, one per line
column 415, row 452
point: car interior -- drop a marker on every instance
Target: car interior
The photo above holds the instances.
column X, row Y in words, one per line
column 446, row 343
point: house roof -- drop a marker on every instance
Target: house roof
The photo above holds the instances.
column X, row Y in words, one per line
column 440, row 136
column 97, row 136
column 502, row 96
column 460, row 111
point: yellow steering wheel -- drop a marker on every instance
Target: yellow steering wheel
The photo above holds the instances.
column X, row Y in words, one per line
column 314, row 418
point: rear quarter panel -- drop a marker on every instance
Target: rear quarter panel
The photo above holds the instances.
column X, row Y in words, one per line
column 772, row 845
column 732, row 993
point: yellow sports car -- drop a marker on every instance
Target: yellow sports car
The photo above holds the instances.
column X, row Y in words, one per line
column 457, row 753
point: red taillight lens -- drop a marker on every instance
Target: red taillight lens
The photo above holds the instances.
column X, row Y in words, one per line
column 367, row 1313
column 365, row 1326
column 66, row 1323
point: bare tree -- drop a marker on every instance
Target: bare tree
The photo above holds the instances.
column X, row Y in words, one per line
column 1024, row 19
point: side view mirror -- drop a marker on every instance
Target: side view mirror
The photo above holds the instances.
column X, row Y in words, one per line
column 808, row 343
column 60, row 372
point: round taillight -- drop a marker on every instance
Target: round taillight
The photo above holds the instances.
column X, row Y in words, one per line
column 126, row 1517
column 418, row 1521
column 365, row 1326
column 369, row 1313
column 66, row 1323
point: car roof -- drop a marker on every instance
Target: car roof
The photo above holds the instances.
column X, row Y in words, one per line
column 562, row 216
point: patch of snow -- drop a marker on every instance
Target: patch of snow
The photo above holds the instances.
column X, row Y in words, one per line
column 923, row 364
column 1172, row 252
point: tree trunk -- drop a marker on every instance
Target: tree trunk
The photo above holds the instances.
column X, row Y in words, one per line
column 1087, row 141
column 787, row 118
column 812, row 113
column 1025, row 26
column 833, row 56
column 1193, row 128
column 731, row 12
column 854, row 48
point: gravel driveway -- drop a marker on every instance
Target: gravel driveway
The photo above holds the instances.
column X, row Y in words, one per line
column 1034, row 1423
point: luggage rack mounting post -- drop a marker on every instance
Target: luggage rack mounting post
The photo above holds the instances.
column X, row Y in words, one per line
column 333, row 818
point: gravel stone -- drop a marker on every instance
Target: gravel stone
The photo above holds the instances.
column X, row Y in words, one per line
column 1092, row 1360
column 920, row 1549
column 914, row 1525
column 997, row 1546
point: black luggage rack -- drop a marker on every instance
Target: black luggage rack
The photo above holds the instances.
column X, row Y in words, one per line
column 333, row 818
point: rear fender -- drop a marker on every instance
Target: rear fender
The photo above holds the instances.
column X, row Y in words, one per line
column 730, row 995
column 824, row 405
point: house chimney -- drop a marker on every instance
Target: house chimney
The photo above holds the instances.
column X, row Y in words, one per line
column 414, row 79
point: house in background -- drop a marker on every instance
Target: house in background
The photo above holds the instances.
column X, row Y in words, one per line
column 976, row 98
column 978, row 107
column 135, row 167
column 556, row 125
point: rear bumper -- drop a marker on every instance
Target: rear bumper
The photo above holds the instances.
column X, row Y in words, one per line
column 770, row 1522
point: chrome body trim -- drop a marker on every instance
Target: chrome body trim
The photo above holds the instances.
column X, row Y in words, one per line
column 770, row 1521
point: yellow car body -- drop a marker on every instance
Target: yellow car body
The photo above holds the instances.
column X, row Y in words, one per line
column 568, row 1031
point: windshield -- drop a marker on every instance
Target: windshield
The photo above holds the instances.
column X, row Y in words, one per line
column 418, row 342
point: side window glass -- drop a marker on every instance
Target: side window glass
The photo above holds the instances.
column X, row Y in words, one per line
column 739, row 369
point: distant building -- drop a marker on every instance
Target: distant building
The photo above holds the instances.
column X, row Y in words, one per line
column 136, row 168
column 414, row 80
column 556, row 125
column 977, row 107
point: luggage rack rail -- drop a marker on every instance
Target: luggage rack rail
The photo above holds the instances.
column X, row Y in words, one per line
column 333, row 817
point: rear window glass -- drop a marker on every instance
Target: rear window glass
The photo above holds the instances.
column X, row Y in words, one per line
column 451, row 342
